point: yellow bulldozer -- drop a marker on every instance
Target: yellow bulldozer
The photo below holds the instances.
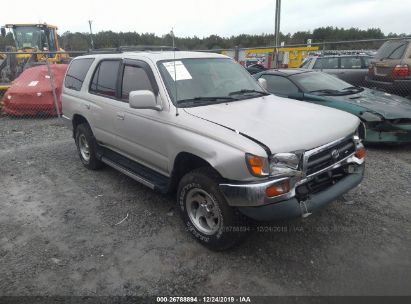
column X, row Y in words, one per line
column 40, row 39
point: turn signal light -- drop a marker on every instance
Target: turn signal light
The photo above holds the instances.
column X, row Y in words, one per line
column 278, row 189
column 257, row 165
column 360, row 153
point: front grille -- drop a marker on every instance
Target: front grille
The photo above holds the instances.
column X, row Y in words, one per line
column 321, row 182
column 330, row 156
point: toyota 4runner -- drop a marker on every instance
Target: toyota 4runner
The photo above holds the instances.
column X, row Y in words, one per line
column 200, row 125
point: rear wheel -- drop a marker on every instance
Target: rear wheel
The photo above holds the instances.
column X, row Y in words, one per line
column 206, row 213
column 86, row 147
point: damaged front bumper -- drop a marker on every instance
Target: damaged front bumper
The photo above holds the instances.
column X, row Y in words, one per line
column 306, row 193
column 389, row 132
column 295, row 207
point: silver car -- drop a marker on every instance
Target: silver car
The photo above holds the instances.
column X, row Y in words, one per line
column 199, row 125
column 350, row 68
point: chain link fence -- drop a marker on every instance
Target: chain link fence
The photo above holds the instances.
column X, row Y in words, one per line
column 31, row 84
column 380, row 64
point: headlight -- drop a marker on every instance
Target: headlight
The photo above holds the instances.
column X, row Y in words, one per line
column 371, row 117
column 280, row 164
column 285, row 164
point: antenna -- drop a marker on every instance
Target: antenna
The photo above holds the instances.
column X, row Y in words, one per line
column 175, row 70
column 91, row 34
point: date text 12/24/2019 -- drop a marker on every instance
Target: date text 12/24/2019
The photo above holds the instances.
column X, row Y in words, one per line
column 204, row 299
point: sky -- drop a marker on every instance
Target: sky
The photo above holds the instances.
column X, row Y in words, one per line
column 206, row 17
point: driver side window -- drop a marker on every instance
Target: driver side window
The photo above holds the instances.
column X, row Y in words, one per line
column 134, row 79
column 280, row 85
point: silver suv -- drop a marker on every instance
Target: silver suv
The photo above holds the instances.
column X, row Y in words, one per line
column 200, row 125
column 350, row 68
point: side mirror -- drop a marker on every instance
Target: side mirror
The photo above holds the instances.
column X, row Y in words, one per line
column 3, row 32
column 298, row 96
column 143, row 99
column 263, row 83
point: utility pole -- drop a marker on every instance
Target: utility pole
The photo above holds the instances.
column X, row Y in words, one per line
column 91, row 34
column 277, row 30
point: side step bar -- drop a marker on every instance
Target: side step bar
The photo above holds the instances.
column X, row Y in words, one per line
column 128, row 173
column 134, row 170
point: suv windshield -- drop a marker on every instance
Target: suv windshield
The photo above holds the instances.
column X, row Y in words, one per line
column 324, row 84
column 202, row 81
column 391, row 50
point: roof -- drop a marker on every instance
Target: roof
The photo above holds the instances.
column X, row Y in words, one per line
column 30, row 24
column 338, row 55
column 157, row 55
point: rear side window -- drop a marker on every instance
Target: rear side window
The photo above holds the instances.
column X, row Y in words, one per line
column 326, row 63
column 134, row 79
column 77, row 72
column 280, row 85
column 351, row 63
column 104, row 80
column 367, row 61
column 305, row 64
column 391, row 50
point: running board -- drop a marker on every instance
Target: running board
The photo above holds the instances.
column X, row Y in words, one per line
column 134, row 170
column 128, row 173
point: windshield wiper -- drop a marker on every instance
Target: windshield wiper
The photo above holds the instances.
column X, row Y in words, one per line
column 354, row 89
column 327, row 92
column 204, row 100
column 244, row 92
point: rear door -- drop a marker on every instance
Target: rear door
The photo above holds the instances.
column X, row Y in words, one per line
column 103, row 95
column 352, row 70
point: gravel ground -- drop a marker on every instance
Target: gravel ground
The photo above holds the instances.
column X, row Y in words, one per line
column 59, row 233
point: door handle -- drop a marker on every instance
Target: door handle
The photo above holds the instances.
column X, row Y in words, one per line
column 120, row 116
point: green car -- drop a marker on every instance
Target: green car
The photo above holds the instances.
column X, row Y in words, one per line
column 387, row 117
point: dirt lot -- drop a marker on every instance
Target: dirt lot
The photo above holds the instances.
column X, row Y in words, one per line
column 58, row 232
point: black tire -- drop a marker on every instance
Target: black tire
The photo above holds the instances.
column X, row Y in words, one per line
column 232, row 226
column 83, row 132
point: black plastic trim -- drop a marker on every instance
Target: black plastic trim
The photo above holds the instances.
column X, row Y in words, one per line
column 160, row 182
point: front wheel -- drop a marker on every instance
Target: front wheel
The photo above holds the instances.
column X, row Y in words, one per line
column 206, row 213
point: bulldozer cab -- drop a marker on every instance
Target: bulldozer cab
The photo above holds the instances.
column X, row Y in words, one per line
column 33, row 44
column 29, row 37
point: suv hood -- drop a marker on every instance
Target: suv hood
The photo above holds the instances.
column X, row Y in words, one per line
column 388, row 105
column 283, row 125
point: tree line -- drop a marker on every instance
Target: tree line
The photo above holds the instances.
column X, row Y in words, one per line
column 109, row 39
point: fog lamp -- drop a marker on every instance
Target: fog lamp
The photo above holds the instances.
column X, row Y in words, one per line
column 278, row 189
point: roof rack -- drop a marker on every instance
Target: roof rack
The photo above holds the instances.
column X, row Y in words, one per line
column 132, row 48
column 322, row 53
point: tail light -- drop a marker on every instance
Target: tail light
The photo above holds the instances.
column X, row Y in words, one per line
column 370, row 69
column 401, row 70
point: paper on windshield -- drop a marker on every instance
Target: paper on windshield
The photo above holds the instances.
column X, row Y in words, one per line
column 180, row 72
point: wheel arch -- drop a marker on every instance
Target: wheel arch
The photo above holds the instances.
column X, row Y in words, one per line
column 184, row 163
column 77, row 120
